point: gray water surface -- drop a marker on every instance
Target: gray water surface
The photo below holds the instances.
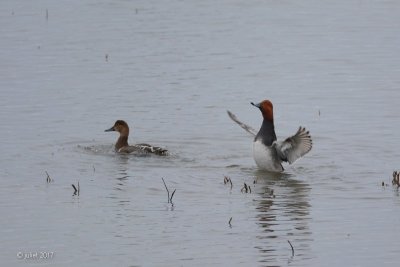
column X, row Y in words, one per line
column 171, row 69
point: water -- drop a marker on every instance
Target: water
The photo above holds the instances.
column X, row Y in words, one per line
column 171, row 69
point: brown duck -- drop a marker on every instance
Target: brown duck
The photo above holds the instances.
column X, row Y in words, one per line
column 122, row 145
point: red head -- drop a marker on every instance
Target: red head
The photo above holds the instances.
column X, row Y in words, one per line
column 266, row 109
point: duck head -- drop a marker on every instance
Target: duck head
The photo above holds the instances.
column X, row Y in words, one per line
column 266, row 109
column 121, row 127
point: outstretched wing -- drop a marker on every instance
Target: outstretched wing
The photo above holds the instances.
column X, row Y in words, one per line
column 246, row 127
column 295, row 146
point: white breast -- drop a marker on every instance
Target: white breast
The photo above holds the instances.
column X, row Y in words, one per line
column 265, row 158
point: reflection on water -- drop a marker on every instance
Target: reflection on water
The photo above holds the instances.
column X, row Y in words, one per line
column 282, row 214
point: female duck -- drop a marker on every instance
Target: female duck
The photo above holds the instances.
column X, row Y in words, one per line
column 122, row 143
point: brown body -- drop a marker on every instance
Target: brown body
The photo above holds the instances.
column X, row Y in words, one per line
column 122, row 145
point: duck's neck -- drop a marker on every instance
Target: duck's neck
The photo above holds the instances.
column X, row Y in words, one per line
column 121, row 142
column 267, row 132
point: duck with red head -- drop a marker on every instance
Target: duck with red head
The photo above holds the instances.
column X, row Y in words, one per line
column 267, row 130
column 267, row 109
column 269, row 153
column 122, row 145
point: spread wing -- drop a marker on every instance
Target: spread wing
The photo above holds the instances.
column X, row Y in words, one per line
column 246, row 127
column 295, row 146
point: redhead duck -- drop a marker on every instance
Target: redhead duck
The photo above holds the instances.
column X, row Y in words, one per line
column 269, row 153
column 122, row 143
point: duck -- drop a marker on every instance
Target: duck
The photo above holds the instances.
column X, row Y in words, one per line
column 122, row 145
column 268, row 152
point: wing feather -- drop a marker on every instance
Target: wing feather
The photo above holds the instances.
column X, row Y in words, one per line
column 294, row 147
column 144, row 148
column 246, row 127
